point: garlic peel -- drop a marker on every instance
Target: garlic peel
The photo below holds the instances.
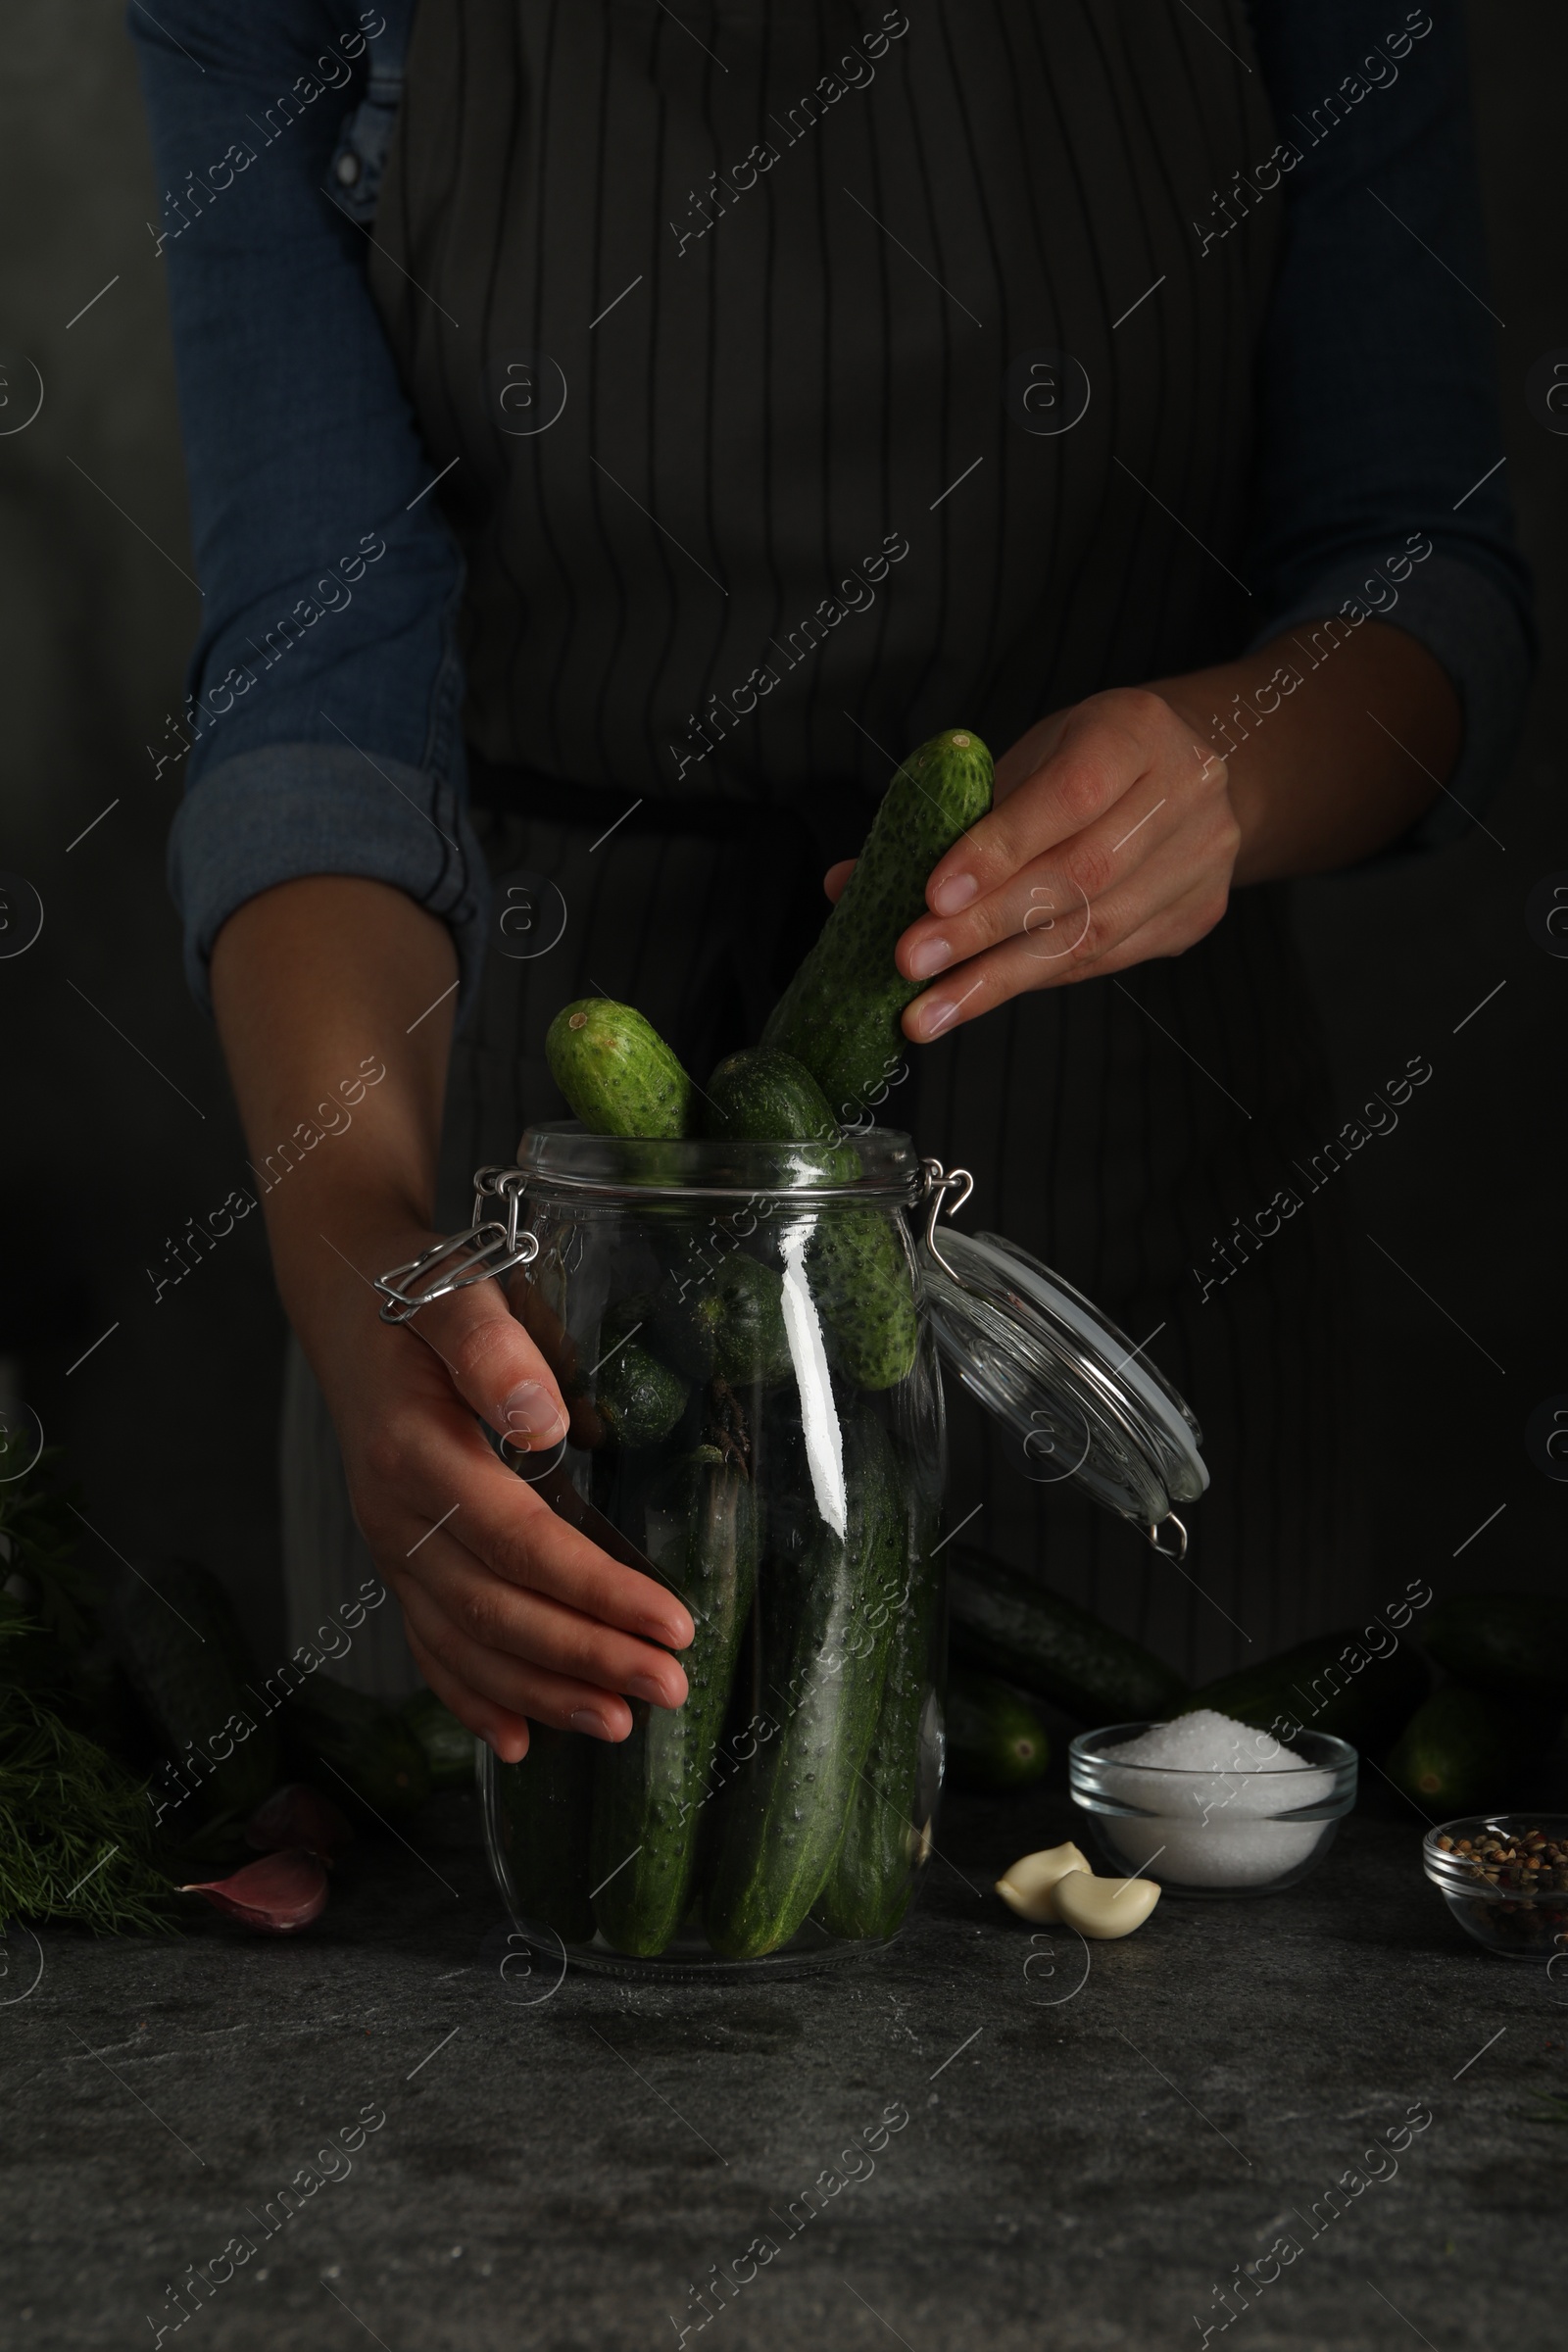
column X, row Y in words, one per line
column 1105, row 1907
column 1029, row 1885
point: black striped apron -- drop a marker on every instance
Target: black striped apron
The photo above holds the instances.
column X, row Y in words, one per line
column 819, row 375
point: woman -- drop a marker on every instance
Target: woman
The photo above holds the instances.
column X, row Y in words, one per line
column 623, row 435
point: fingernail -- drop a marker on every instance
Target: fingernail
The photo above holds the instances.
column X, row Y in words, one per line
column 663, row 1631
column 530, row 1411
column 586, row 1719
column 643, row 1686
column 955, row 892
column 931, row 956
column 934, row 1018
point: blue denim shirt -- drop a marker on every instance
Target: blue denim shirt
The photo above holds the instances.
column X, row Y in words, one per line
column 323, row 725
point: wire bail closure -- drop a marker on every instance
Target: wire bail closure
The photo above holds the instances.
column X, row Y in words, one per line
column 491, row 1246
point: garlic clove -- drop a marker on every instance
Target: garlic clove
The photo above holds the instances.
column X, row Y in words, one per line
column 1105, row 1907
column 1029, row 1885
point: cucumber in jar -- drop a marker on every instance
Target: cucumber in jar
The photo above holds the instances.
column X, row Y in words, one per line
column 650, row 1788
column 856, row 1261
column 825, row 1613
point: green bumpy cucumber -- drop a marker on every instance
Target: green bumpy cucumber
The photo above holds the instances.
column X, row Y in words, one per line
column 545, row 1829
column 995, row 1738
column 650, row 1788
column 826, row 1609
column 638, row 1400
column 840, row 1014
column 856, row 1263
column 448, row 1744
column 1005, row 1620
column 872, row 1877
column 720, row 1322
column 1333, row 1682
column 174, row 1632
column 1462, row 1750
column 1510, row 1643
column 617, row 1072
column 369, row 1747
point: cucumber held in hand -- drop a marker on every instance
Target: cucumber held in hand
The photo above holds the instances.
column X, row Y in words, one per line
column 650, row 1788
column 1007, row 1620
column 856, row 1262
column 617, row 1072
column 840, row 1014
column 827, row 1607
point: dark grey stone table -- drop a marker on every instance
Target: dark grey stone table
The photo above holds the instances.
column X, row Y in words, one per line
column 1083, row 2164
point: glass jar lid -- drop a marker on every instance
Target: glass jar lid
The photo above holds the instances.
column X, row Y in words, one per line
column 1077, row 1401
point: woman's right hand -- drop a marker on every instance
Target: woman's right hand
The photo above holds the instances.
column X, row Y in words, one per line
column 510, row 1612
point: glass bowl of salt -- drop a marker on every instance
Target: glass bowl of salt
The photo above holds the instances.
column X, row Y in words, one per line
column 1210, row 1806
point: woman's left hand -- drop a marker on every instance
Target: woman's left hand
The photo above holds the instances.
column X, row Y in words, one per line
column 1112, row 839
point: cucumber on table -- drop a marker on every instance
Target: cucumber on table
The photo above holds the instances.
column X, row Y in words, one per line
column 1465, row 1748
column 1330, row 1683
column 1510, row 1643
column 545, row 1828
column 448, row 1744
column 1005, row 1620
column 995, row 1738
column 617, row 1072
column 868, row 1887
column 368, row 1746
column 174, row 1632
column 651, row 1787
column 840, row 1014
column 826, row 1611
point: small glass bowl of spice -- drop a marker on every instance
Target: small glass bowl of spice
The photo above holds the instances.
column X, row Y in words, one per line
column 1505, row 1877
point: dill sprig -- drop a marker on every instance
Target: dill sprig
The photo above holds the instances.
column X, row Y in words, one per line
column 76, row 1829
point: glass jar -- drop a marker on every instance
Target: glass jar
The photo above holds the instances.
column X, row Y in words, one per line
column 746, row 1339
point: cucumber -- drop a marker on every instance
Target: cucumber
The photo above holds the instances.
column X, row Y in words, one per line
column 995, row 1738
column 855, row 1261
column 368, row 1746
column 173, row 1632
column 1462, row 1750
column 1005, row 1620
column 650, row 1788
column 826, row 1609
column 767, row 1097
column 722, row 1322
column 1332, row 1683
column 638, row 1400
column 617, row 1072
column 1510, row 1643
column 872, row 1877
column 840, row 1014
column 544, row 1830
column 448, row 1744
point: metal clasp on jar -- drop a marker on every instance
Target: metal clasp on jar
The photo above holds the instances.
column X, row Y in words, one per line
column 491, row 1246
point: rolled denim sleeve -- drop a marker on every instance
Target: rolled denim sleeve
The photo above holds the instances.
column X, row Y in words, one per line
column 1378, row 404
column 323, row 699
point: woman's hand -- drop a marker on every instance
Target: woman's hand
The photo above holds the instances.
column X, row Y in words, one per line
column 510, row 1612
column 1119, row 828
column 1112, row 839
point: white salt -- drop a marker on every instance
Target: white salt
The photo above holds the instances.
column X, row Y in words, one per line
column 1210, row 1785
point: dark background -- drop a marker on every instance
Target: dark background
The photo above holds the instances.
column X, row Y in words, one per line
column 114, row 1135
